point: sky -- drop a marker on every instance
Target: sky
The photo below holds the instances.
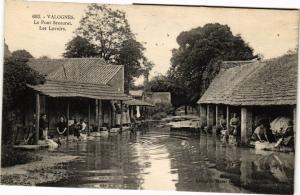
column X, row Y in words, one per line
column 269, row 32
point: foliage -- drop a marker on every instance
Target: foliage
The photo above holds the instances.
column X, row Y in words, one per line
column 21, row 54
column 16, row 75
column 79, row 47
column 162, row 83
column 129, row 55
column 194, row 63
column 106, row 34
column 161, row 110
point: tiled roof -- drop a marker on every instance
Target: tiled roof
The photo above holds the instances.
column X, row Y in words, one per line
column 270, row 82
column 136, row 93
column 84, row 70
column 76, row 89
column 135, row 102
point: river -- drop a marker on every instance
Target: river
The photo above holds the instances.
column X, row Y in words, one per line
column 160, row 159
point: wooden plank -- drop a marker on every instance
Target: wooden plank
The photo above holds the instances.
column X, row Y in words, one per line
column 227, row 118
column 99, row 115
column 217, row 114
column 89, row 117
column 207, row 115
column 37, row 122
column 121, row 120
column 246, row 124
column 68, row 118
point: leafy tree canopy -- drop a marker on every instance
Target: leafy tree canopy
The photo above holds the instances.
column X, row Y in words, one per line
column 21, row 54
column 79, row 47
column 194, row 63
column 16, row 75
column 105, row 33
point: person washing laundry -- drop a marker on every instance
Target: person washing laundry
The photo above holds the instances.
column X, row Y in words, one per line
column 260, row 134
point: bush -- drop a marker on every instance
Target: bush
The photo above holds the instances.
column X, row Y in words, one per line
column 161, row 110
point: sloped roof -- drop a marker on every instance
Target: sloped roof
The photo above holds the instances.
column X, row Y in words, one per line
column 136, row 92
column 84, row 70
column 135, row 102
column 271, row 82
column 75, row 89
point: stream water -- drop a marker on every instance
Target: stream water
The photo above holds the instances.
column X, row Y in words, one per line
column 159, row 159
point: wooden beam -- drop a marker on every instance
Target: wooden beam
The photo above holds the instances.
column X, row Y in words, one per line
column 217, row 114
column 96, row 111
column 294, row 123
column 227, row 117
column 207, row 115
column 68, row 118
column 37, row 122
column 89, row 117
column 246, row 124
column 99, row 115
column 121, row 120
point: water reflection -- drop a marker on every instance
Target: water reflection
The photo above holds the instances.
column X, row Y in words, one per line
column 162, row 160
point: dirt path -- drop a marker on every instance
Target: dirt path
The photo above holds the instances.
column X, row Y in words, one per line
column 33, row 173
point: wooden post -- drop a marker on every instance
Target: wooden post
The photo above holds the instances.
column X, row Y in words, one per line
column 207, row 115
column 246, row 124
column 99, row 114
column 294, row 123
column 217, row 114
column 89, row 118
column 121, row 120
column 96, row 111
column 227, row 118
column 37, row 122
column 68, row 118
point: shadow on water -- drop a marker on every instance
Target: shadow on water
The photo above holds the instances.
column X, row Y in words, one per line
column 162, row 160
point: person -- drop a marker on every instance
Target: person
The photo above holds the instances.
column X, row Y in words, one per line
column 260, row 134
column 43, row 132
column 234, row 127
column 31, row 131
column 222, row 125
column 76, row 128
column 83, row 126
column 61, row 127
column 287, row 138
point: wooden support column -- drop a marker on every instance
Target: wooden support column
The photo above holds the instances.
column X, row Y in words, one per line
column 68, row 118
column 227, row 118
column 210, row 116
column 89, row 118
column 246, row 124
column 37, row 122
column 121, row 120
column 294, row 123
column 99, row 114
column 207, row 115
column 217, row 115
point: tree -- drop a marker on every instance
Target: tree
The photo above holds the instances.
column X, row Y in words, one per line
column 109, row 33
column 130, row 53
column 79, row 47
column 161, row 83
column 195, row 63
column 16, row 75
column 21, row 54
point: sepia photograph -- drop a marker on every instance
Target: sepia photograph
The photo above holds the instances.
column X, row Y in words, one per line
column 149, row 97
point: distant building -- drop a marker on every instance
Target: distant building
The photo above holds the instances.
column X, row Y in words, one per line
column 137, row 94
column 157, row 97
column 7, row 53
column 252, row 89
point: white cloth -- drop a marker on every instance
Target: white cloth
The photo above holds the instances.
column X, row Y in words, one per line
column 138, row 114
column 280, row 124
